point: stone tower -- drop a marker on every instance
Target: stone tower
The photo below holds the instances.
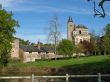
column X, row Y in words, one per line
column 70, row 28
column 15, row 49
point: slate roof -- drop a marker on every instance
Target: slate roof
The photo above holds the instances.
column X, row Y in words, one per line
column 70, row 19
column 81, row 26
column 28, row 48
column 47, row 49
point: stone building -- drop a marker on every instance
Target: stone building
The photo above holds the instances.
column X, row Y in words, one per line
column 15, row 49
column 33, row 53
column 77, row 33
column 29, row 53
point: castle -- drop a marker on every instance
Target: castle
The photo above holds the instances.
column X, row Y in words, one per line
column 31, row 53
column 77, row 33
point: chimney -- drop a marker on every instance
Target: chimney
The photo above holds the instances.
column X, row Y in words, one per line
column 38, row 45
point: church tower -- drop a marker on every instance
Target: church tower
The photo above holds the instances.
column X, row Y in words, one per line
column 70, row 28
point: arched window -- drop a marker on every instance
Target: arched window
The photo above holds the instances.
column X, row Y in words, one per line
column 80, row 32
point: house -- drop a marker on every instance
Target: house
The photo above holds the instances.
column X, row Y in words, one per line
column 29, row 53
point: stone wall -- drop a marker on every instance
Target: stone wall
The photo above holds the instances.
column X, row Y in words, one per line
column 30, row 57
column 15, row 49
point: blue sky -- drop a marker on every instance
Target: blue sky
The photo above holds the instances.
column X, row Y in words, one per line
column 34, row 16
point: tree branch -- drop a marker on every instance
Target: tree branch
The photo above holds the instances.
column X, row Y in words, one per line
column 99, row 13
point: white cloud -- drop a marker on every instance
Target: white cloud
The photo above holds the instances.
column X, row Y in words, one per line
column 10, row 3
column 38, row 7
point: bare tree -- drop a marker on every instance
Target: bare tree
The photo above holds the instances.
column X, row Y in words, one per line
column 101, row 5
column 54, row 33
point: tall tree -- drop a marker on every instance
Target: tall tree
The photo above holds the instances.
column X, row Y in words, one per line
column 65, row 48
column 101, row 5
column 7, row 29
column 54, row 33
column 107, row 30
column 80, row 49
column 106, row 38
column 87, row 47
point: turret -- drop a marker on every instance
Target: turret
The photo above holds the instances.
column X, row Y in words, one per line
column 70, row 28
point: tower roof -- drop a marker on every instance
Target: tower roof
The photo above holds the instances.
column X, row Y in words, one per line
column 81, row 26
column 70, row 19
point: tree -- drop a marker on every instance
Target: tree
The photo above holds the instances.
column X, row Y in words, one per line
column 101, row 5
column 100, row 45
column 24, row 42
column 106, row 38
column 79, row 49
column 93, row 42
column 87, row 47
column 107, row 30
column 54, row 33
column 65, row 48
column 7, row 29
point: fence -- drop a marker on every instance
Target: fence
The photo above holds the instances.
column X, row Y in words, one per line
column 99, row 76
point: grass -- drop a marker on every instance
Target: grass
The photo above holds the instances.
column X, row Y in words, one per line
column 60, row 63
column 82, row 65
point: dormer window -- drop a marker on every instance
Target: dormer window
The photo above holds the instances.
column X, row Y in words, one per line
column 80, row 32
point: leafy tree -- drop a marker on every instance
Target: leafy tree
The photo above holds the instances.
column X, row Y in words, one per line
column 107, row 30
column 106, row 42
column 25, row 42
column 106, row 38
column 100, row 45
column 7, row 29
column 87, row 47
column 65, row 48
column 93, row 42
column 101, row 5
column 79, row 48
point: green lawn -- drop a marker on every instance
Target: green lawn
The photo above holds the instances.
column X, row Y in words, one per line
column 61, row 63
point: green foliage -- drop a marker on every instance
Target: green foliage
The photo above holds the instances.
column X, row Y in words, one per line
column 7, row 29
column 86, row 65
column 106, row 38
column 80, row 48
column 65, row 47
column 107, row 30
column 24, row 42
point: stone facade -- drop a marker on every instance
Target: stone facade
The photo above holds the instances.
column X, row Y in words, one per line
column 15, row 49
column 77, row 33
column 28, row 53
column 31, row 57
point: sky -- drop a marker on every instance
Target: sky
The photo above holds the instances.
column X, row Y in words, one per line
column 34, row 16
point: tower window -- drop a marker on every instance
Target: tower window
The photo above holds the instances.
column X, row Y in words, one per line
column 80, row 32
column 70, row 25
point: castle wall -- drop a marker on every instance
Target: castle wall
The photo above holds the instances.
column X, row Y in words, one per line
column 15, row 49
column 30, row 57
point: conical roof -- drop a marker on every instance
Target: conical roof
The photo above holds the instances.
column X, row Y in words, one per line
column 70, row 19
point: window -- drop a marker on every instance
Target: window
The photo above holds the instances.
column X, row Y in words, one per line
column 70, row 25
column 80, row 40
column 80, row 32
